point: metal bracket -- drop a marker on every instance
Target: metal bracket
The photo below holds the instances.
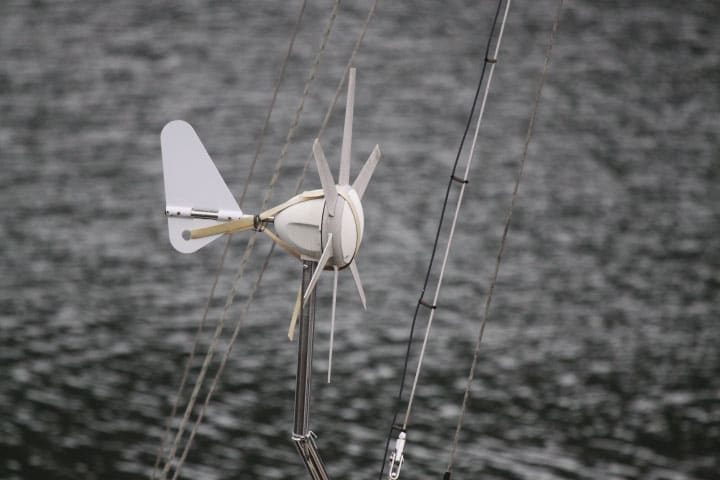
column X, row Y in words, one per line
column 307, row 448
column 397, row 458
column 190, row 212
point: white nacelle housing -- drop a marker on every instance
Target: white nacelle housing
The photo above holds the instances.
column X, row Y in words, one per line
column 306, row 227
column 299, row 226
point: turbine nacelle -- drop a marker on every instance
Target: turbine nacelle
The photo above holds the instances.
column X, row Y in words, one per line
column 308, row 226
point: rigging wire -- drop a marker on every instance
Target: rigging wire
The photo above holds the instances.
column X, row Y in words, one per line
column 463, row 185
column 221, row 263
column 437, row 237
column 272, row 104
column 188, row 363
column 501, row 249
column 251, row 242
column 246, row 256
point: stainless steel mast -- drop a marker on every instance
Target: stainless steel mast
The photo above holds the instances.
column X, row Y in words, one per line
column 303, row 437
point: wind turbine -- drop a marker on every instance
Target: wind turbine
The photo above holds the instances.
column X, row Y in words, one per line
column 323, row 228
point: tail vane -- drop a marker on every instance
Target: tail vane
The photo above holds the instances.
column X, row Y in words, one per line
column 196, row 195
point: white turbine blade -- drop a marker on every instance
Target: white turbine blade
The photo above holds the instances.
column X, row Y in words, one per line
column 319, row 268
column 358, row 283
column 332, row 323
column 326, row 178
column 361, row 182
column 346, row 152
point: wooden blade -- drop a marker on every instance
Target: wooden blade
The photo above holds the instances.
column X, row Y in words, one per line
column 296, row 312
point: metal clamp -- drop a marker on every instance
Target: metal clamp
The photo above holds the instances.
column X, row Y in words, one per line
column 203, row 213
column 397, row 458
column 307, row 448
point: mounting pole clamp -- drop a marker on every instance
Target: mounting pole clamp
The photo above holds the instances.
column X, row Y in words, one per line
column 397, row 458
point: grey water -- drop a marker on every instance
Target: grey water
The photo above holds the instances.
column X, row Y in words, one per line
column 601, row 358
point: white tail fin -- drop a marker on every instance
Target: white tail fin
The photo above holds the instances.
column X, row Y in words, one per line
column 196, row 195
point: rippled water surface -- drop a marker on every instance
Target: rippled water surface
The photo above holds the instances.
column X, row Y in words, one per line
column 602, row 354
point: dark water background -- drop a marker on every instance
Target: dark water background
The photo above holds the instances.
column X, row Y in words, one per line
column 602, row 355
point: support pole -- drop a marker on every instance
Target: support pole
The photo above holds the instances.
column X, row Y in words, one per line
column 303, row 437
